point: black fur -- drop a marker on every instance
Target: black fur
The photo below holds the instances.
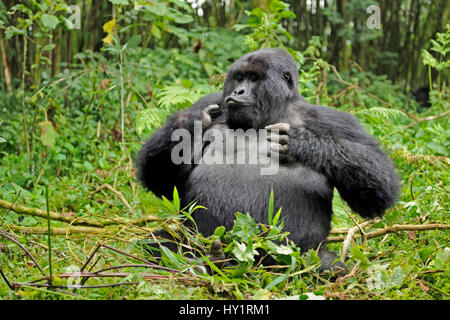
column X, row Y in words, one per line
column 330, row 149
column 422, row 96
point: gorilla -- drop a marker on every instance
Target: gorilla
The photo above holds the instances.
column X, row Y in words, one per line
column 318, row 149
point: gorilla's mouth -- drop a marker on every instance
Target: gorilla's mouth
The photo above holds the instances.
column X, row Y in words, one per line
column 241, row 115
column 230, row 101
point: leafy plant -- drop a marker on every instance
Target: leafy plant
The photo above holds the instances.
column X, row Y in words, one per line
column 267, row 30
column 441, row 46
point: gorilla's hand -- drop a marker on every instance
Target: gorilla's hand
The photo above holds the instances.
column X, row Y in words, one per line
column 187, row 118
column 279, row 139
column 208, row 113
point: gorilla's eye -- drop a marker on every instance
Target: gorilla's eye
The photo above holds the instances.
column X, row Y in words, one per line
column 253, row 77
column 238, row 77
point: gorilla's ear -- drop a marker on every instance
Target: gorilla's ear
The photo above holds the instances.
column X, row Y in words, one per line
column 288, row 78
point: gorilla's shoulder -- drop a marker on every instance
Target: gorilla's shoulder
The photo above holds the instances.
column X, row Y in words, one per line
column 213, row 98
column 339, row 122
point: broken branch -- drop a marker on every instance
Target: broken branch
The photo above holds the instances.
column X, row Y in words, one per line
column 394, row 228
column 43, row 214
column 56, row 231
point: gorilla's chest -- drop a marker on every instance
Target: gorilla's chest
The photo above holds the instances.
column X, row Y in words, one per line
column 237, row 173
column 236, row 148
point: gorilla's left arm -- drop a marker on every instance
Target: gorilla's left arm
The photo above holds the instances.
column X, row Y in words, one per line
column 334, row 143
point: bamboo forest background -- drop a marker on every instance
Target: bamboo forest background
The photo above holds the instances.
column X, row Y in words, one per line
column 395, row 50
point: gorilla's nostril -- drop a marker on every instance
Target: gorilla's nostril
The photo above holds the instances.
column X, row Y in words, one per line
column 239, row 92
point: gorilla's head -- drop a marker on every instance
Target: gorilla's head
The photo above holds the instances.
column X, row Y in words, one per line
column 258, row 86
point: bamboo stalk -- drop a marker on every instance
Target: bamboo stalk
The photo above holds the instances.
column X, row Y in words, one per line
column 43, row 214
column 395, row 228
column 69, row 218
column 6, row 71
column 22, row 89
column 55, row 231
column 49, row 236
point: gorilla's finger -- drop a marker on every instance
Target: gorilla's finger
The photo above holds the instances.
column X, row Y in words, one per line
column 211, row 108
column 281, row 126
column 283, row 149
column 280, row 138
column 208, row 113
column 278, row 148
column 206, row 119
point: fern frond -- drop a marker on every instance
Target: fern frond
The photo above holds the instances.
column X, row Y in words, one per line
column 148, row 119
column 381, row 113
column 176, row 96
column 170, row 99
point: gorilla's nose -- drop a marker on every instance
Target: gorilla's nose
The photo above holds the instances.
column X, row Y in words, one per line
column 239, row 92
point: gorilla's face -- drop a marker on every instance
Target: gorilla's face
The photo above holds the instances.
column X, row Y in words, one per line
column 257, row 88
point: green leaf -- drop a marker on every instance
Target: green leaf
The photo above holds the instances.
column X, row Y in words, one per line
column 189, row 216
column 244, row 226
column 285, row 14
column 209, row 69
column 219, row 231
column 12, row 31
column 282, row 249
column 270, row 217
column 257, row 12
column 179, row 32
column 442, row 258
column 134, row 41
column 48, row 47
column 242, row 252
column 428, row 59
column 169, row 205
column 178, row 17
column 277, row 217
column 124, row 2
column 311, row 258
column 48, row 134
column 49, row 21
column 284, row 277
column 358, row 254
column 157, row 8
column 155, row 31
column 276, row 5
column 176, row 199
column 183, row 19
column 88, row 166
column 171, row 256
column 29, row 221
column 214, row 267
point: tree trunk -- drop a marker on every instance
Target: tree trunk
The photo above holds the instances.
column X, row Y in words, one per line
column 6, row 71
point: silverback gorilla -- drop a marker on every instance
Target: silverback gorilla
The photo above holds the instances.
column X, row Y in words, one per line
column 319, row 149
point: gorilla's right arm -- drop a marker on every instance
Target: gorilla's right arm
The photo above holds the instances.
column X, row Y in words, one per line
column 156, row 171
